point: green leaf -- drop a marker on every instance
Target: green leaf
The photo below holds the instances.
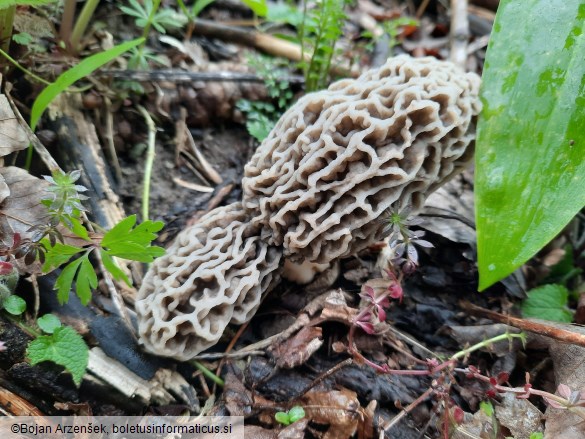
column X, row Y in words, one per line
column 259, row 7
column 65, row 280
column 282, row 417
column 530, row 172
column 113, row 268
column 48, row 323
column 58, row 254
column 86, row 280
column 78, row 228
column 127, row 242
column 64, row 347
column 536, row 435
column 7, row 3
column 547, row 302
column 487, row 408
column 198, row 6
column 14, row 305
column 296, row 413
column 68, row 78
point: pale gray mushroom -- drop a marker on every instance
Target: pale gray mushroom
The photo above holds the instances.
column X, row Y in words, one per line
column 339, row 159
column 214, row 274
column 317, row 189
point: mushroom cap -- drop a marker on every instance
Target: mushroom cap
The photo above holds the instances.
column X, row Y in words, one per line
column 321, row 183
column 213, row 274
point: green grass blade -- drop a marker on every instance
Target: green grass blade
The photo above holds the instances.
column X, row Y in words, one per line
column 530, row 167
column 68, row 78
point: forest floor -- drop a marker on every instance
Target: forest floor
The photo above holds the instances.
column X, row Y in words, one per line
column 299, row 336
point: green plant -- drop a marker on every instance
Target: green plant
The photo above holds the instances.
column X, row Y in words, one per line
column 262, row 116
column 548, row 302
column 149, row 14
column 530, row 172
column 392, row 28
column 295, row 414
column 193, row 13
column 85, row 68
column 318, row 33
column 7, row 11
column 126, row 240
column 62, row 345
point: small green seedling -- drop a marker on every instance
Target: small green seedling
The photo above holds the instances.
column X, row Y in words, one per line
column 293, row 415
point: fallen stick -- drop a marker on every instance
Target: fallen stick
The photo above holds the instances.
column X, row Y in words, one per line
column 548, row 329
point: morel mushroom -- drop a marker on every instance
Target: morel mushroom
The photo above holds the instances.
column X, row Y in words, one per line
column 214, row 273
column 316, row 190
column 340, row 158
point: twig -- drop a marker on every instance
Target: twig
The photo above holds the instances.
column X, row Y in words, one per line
column 422, row 8
column 149, row 161
column 459, row 32
column 177, row 76
column 110, row 139
column 325, row 375
column 266, row 43
column 548, row 329
column 405, row 412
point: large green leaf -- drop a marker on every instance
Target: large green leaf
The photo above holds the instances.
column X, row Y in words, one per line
column 530, row 157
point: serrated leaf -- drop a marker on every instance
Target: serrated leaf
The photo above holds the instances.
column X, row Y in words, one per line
column 530, row 172
column 58, row 254
column 119, row 231
column 126, row 242
column 65, row 280
column 548, row 302
column 14, row 305
column 74, row 74
column 64, row 347
column 85, row 280
column 79, row 229
column 113, row 268
column 48, row 323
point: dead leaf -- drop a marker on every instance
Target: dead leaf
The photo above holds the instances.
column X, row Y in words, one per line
column 299, row 348
column 455, row 200
column 23, row 208
column 4, row 189
column 569, row 368
column 520, row 416
column 12, row 136
column 340, row 409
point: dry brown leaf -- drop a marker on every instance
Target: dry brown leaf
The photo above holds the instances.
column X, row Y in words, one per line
column 23, row 208
column 12, row 136
column 340, row 409
column 569, row 368
column 520, row 416
column 299, row 348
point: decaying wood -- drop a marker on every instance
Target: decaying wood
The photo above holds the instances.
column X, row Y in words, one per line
column 15, row 405
column 111, row 372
